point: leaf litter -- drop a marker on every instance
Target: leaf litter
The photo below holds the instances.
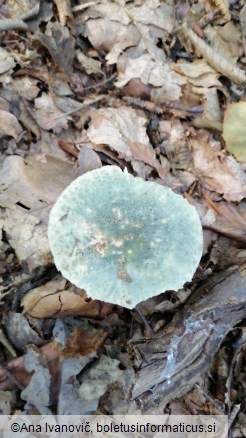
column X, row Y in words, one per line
column 160, row 94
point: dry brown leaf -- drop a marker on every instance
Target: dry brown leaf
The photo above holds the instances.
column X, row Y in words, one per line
column 50, row 301
column 48, row 116
column 216, row 57
column 9, row 125
column 211, row 102
column 19, row 7
column 198, row 73
column 27, row 235
column 50, row 353
column 60, row 43
column 26, row 87
column 231, row 220
column 223, row 8
column 28, row 120
column 20, row 332
column 218, row 172
column 124, row 131
column 139, row 25
column 90, row 65
column 231, row 35
column 6, row 62
column 135, row 88
column 79, row 342
column 156, row 73
column 242, row 16
column 23, row 181
column 88, row 160
column 104, row 16
column 64, row 11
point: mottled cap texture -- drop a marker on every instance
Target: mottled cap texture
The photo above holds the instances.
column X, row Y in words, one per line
column 123, row 239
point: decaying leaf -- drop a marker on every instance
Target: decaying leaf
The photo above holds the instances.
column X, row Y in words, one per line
column 234, row 130
column 9, row 125
column 124, row 131
column 223, row 8
column 22, row 181
column 28, row 237
column 156, row 73
column 16, row 8
column 54, row 300
column 75, row 345
column 231, row 220
column 64, row 11
column 6, row 61
column 222, row 46
column 6, row 402
column 129, row 26
column 80, row 342
column 60, row 43
column 20, row 332
column 218, row 172
column 90, row 65
column 215, row 57
column 243, row 26
column 99, row 377
column 28, row 120
column 37, row 392
column 88, row 160
column 48, row 115
column 26, row 198
column 211, row 103
column 198, row 73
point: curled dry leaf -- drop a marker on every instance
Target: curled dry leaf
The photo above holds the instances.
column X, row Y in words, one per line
column 223, row 8
column 231, row 34
column 28, row 120
column 124, row 131
column 64, row 11
column 50, row 301
column 218, row 172
column 9, row 125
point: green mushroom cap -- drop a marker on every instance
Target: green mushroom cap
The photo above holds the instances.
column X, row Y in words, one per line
column 123, row 239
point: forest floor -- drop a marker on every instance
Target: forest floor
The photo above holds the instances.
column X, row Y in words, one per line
column 157, row 87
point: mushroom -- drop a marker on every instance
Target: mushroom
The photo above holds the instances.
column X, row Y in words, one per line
column 123, row 239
